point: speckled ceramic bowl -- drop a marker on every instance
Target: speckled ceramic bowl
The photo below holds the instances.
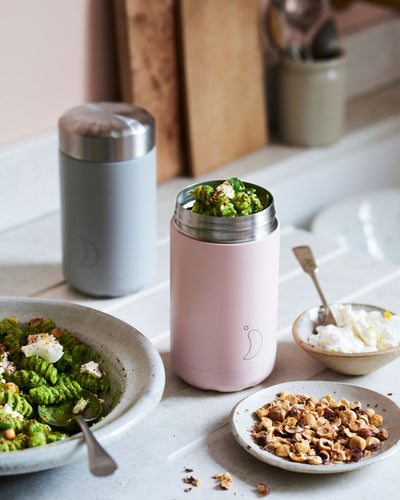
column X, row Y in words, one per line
column 347, row 363
column 135, row 368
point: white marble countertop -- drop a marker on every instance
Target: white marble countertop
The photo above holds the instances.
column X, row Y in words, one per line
column 190, row 427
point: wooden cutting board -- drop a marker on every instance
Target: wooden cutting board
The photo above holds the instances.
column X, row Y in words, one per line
column 146, row 37
column 225, row 107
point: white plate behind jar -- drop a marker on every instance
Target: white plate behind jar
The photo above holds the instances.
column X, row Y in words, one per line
column 368, row 222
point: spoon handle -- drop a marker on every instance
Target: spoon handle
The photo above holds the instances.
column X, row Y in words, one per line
column 100, row 462
column 305, row 257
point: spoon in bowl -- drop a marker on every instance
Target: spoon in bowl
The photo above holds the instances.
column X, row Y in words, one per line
column 306, row 259
column 62, row 416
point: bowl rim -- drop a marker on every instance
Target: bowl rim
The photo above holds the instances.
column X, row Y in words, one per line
column 307, row 347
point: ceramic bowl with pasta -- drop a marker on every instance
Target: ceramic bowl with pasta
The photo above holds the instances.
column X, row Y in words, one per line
column 130, row 385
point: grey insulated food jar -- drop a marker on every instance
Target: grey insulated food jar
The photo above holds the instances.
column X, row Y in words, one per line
column 108, row 180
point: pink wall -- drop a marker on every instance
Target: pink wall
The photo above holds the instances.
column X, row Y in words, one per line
column 55, row 54
column 360, row 15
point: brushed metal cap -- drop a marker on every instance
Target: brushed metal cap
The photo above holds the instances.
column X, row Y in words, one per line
column 106, row 132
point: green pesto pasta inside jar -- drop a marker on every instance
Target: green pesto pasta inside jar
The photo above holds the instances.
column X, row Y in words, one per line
column 40, row 364
column 230, row 199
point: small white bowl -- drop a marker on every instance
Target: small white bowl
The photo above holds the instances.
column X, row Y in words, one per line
column 347, row 363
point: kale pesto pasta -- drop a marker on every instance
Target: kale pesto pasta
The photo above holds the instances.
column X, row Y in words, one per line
column 40, row 364
column 230, row 199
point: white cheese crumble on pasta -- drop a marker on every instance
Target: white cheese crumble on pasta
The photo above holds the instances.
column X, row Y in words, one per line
column 6, row 367
column 80, row 406
column 44, row 346
column 92, row 368
column 227, row 189
column 14, row 414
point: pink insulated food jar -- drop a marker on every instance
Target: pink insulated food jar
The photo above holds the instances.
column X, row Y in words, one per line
column 224, row 295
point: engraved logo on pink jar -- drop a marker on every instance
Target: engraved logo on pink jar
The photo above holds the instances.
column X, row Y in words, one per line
column 255, row 342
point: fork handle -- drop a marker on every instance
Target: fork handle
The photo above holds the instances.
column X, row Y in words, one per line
column 321, row 295
column 306, row 259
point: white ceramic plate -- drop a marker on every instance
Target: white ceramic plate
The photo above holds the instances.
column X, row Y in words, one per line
column 135, row 368
column 368, row 222
column 242, row 421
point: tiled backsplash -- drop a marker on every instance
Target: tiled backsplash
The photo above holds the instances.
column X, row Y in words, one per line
column 29, row 169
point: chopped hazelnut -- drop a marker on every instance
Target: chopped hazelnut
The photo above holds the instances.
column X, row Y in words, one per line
column 325, row 444
column 298, row 457
column 263, row 489
column 10, row 386
column 291, row 429
column 372, row 442
column 57, row 333
column 302, row 447
column 376, row 420
column 36, row 321
column 325, row 431
column 347, row 416
column 276, row 413
column 225, row 479
column 357, row 442
column 262, row 412
column 283, row 450
column 8, row 433
column 382, row 435
column 313, row 400
column 309, row 419
column 364, row 433
column 305, row 430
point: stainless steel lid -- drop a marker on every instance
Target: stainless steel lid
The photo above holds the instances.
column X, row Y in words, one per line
column 223, row 229
column 106, row 132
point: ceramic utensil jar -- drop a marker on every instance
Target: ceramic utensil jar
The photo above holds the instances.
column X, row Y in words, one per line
column 108, row 197
column 224, row 295
column 312, row 101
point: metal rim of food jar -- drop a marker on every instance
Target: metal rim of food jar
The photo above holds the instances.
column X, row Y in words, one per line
column 106, row 132
column 223, row 229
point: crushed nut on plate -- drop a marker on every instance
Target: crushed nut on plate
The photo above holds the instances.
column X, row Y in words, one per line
column 308, row 430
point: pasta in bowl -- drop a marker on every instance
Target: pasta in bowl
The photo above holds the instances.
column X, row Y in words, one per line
column 42, row 364
column 131, row 384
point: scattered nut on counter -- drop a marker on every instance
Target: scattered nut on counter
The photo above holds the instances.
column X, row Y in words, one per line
column 225, row 479
column 192, row 480
column 308, row 430
column 263, row 489
column 225, row 482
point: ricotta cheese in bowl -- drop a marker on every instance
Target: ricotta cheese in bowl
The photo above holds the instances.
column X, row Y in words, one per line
column 357, row 330
column 365, row 339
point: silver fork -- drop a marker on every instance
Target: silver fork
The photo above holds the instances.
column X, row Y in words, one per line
column 306, row 259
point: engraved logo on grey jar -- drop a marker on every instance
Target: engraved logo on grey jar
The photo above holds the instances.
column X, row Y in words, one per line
column 90, row 253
